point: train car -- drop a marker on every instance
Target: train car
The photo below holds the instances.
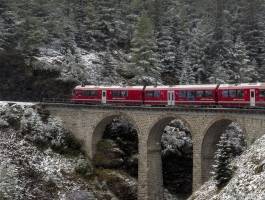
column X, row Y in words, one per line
column 131, row 95
column 181, row 95
column 88, row 94
column 108, row 95
column 196, row 95
column 242, row 95
column 225, row 95
column 156, row 95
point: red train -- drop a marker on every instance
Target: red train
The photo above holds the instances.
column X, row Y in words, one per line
column 225, row 95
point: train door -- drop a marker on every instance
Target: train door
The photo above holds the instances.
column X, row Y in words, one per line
column 170, row 98
column 252, row 98
column 104, row 97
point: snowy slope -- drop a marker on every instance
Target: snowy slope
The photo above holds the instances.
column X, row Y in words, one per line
column 29, row 170
column 248, row 182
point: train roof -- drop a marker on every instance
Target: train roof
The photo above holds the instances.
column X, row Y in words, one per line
column 175, row 87
column 183, row 87
column 94, row 87
column 242, row 86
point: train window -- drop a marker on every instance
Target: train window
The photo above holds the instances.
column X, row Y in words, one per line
column 152, row 93
column 232, row 93
column 208, row 93
column 199, row 93
column 191, row 95
column 119, row 93
column 89, row 93
column 225, row 93
column 262, row 93
column 183, row 94
column 239, row 93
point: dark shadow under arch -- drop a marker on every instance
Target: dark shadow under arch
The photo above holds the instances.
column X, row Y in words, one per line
column 155, row 176
column 101, row 126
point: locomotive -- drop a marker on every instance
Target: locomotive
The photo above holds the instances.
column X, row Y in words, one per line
column 224, row 95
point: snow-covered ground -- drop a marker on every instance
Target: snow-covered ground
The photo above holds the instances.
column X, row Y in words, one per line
column 3, row 103
column 30, row 166
column 248, row 181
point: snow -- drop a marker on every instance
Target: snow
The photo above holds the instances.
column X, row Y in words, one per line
column 79, row 66
column 2, row 103
column 176, row 139
column 28, row 171
column 248, row 181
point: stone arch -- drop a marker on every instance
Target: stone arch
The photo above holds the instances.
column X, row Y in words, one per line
column 154, row 161
column 211, row 137
column 101, row 126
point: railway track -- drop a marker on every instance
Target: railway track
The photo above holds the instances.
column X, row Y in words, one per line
column 67, row 103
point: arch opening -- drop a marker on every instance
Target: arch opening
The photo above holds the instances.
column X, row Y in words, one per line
column 115, row 155
column 170, row 159
column 234, row 132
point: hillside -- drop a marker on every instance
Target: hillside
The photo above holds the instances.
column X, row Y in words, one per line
column 248, row 181
column 39, row 159
column 129, row 42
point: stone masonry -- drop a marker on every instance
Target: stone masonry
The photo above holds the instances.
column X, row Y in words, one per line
column 88, row 123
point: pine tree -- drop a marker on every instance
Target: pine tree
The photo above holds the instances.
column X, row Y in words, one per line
column 197, row 55
column 220, row 74
column 244, row 69
column 222, row 168
column 187, row 74
column 145, row 60
column 8, row 29
column 167, row 47
column 253, row 28
column 232, row 143
column 109, row 28
column 84, row 14
column 31, row 32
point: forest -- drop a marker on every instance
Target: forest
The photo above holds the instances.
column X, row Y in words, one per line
column 140, row 41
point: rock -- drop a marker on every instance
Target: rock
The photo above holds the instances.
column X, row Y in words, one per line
column 84, row 167
column 103, row 160
column 3, row 123
column 122, row 185
column 80, row 195
column 108, row 155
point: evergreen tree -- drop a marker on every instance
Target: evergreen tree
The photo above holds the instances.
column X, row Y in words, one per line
column 220, row 74
column 145, row 60
column 72, row 67
column 187, row 74
column 84, row 14
column 253, row 28
column 31, row 32
column 222, row 168
column 8, row 30
column 197, row 55
column 244, row 69
column 167, row 47
column 232, row 143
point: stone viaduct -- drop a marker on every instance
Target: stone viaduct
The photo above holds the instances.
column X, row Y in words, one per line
column 88, row 123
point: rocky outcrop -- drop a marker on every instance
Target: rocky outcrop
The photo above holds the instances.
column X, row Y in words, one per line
column 20, row 81
column 108, row 155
